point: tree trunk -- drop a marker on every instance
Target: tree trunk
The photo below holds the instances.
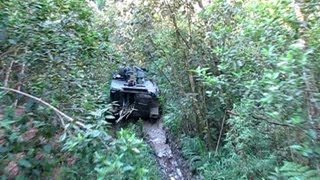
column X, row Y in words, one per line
column 308, row 76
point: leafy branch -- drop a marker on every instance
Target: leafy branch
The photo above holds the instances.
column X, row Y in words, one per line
column 56, row 110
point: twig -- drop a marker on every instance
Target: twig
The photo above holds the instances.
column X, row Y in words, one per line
column 268, row 121
column 176, row 26
column 20, row 82
column 125, row 113
column 60, row 114
column 220, row 134
column 62, row 121
column 47, row 104
column 6, row 80
column 15, row 50
column 272, row 122
column 163, row 53
column 10, row 50
column 232, row 113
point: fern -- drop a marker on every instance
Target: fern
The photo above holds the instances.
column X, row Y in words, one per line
column 194, row 151
column 292, row 170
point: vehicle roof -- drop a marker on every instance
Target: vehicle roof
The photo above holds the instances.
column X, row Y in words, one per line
column 148, row 85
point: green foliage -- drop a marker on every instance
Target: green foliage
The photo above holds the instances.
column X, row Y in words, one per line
column 174, row 116
column 128, row 160
column 240, row 65
column 291, row 170
column 36, row 148
column 240, row 77
column 59, row 51
column 64, row 50
column 29, row 146
column 263, row 82
column 122, row 158
column 193, row 150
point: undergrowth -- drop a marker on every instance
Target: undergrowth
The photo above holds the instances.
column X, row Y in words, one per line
column 33, row 145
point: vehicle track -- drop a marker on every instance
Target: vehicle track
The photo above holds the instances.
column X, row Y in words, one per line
column 155, row 135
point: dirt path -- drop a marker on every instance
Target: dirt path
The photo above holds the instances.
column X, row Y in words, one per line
column 168, row 161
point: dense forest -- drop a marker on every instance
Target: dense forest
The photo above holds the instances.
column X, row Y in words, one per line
column 239, row 83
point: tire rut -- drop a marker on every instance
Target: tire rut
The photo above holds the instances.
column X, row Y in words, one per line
column 155, row 135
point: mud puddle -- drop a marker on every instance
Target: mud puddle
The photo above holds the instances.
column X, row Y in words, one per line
column 169, row 162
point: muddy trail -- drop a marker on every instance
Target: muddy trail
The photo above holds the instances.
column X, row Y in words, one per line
column 170, row 161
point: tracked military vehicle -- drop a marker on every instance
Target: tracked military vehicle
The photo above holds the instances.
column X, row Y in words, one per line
column 133, row 95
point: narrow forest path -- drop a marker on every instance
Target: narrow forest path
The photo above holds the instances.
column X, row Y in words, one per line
column 171, row 164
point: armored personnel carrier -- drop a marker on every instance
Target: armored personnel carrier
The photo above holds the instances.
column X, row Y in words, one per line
column 133, row 95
